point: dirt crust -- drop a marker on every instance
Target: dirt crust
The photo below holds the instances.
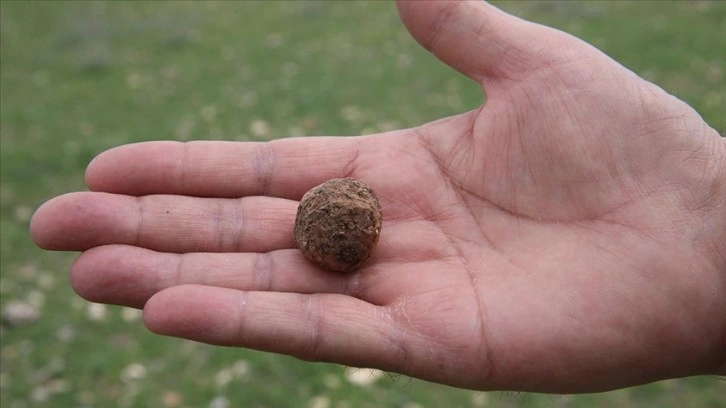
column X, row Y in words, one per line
column 338, row 224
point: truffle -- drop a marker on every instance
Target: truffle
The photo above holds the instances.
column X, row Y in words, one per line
column 338, row 224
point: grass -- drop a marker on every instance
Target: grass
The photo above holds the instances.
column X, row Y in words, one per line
column 80, row 77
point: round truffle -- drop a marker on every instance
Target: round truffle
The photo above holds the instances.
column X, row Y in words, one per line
column 338, row 224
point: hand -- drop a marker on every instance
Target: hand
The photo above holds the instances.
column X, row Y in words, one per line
column 567, row 236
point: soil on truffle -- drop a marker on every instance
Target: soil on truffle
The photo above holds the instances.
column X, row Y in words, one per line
column 338, row 224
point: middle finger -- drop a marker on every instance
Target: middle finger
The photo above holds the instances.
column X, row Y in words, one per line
column 167, row 223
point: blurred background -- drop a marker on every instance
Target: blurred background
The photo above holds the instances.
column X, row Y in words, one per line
column 81, row 77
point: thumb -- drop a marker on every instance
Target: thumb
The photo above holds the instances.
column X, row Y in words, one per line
column 479, row 40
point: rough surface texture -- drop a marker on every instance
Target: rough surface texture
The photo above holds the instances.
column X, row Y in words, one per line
column 338, row 224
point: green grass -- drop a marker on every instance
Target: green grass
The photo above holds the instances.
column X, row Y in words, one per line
column 81, row 77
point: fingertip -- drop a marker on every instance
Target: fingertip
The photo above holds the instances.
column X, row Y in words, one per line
column 79, row 221
column 161, row 311
column 104, row 165
column 187, row 311
column 37, row 230
column 153, row 315
column 103, row 275
column 422, row 18
column 82, row 279
column 44, row 222
column 92, row 171
column 474, row 37
column 124, row 169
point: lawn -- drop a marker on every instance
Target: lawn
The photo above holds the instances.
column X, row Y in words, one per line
column 80, row 77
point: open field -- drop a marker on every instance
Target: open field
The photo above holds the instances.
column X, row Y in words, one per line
column 77, row 78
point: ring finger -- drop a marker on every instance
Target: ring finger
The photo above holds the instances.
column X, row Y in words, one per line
column 129, row 276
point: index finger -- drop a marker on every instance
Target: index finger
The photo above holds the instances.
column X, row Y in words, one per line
column 281, row 168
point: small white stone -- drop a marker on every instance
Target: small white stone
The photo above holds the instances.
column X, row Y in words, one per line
column 259, row 127
column 223, row 378
column 96, row 311
column 133, row 372
column 479, row 399
column 241, row 368
column 129, row 314
column 219, row 402
column 17, row 313
column 35, row 298
column 319, row 401
column 362, row 377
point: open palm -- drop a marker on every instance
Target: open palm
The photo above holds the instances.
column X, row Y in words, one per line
column 563, row 237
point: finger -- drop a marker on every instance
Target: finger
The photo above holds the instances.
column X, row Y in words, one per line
column 476, row 38
column 129, row 276
column 280, row 168
column 79, row 221
column 318, row 327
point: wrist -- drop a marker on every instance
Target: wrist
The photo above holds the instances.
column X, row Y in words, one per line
column 710, row 243
column 712, row 235
column 720, row 208
column 720, row 219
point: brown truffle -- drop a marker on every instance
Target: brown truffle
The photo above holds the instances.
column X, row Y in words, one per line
column 338, row 224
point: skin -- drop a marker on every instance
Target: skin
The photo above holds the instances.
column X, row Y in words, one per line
column 567, row 236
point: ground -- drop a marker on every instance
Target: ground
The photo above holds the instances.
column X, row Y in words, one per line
column 80, row 77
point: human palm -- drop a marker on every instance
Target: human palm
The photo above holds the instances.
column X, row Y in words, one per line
column 559, row 238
